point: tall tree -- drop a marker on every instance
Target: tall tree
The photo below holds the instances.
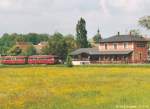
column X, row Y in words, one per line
column 145, row 22
column 97, row 37
column 81, row 34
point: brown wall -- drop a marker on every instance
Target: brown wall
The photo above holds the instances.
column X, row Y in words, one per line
column 140, row 54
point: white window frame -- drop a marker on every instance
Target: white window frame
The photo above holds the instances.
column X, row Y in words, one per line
column 115, row 45
column 106, row 46
column 125, row 45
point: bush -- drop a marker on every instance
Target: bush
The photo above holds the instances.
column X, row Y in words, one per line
column 69, row 61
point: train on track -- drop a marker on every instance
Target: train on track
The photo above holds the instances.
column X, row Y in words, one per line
column 36, row 59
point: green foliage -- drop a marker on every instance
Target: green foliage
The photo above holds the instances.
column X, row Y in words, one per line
column 45, row 50
column 31, row 51
column 71, row 43
column 14, row 51
column 81, row 34
column 58, row 46
column 20, row 38
column 89, row 45
column 69, row 61
column 97, row 38
column 8, row 41
column 145, row 22
column 36, row 38
column 3, row 50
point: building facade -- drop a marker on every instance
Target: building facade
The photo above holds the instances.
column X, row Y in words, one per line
column 116, row 49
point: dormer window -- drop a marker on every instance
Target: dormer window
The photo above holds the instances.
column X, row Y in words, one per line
column 106, row 47
column 125, row 45
column 115, row 45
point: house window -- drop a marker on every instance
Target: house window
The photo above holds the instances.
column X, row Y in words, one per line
column 142, row 45
column 106, row 47
column 126, row 45
column 115, row 46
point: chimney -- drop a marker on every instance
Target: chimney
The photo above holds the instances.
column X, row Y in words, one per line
column 130, row 33
column 118, row 33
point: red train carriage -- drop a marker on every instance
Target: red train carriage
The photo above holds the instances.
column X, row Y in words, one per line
column 13, row 60
column 42, row 59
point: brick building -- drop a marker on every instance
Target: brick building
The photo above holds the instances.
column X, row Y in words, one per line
column 115, row 49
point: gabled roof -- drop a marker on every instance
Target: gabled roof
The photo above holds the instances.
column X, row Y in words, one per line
column 89, row 51
column 124, row 38
column 94, row 51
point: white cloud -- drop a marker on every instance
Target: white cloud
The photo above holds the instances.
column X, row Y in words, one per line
column 128, row 6
column 6, row 3
column 104, row 7
column 62, row 15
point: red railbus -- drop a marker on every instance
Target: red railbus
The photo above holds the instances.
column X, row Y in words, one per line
column 42, row 59
column 13, row 60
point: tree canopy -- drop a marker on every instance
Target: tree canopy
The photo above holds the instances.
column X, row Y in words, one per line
column 8, row 41
column 71, row 43
column 97, row 37
column 57, row 45
column 81, row 34
column 145, row 22
column 15, row 51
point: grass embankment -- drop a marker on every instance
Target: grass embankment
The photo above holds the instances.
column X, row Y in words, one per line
column 74, row 88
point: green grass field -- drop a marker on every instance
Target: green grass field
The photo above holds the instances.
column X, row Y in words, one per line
column 99, row 87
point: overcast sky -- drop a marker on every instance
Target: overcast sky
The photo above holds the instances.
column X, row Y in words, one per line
column 49, row 16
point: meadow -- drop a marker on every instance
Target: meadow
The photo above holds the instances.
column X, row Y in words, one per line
column 94, row 87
